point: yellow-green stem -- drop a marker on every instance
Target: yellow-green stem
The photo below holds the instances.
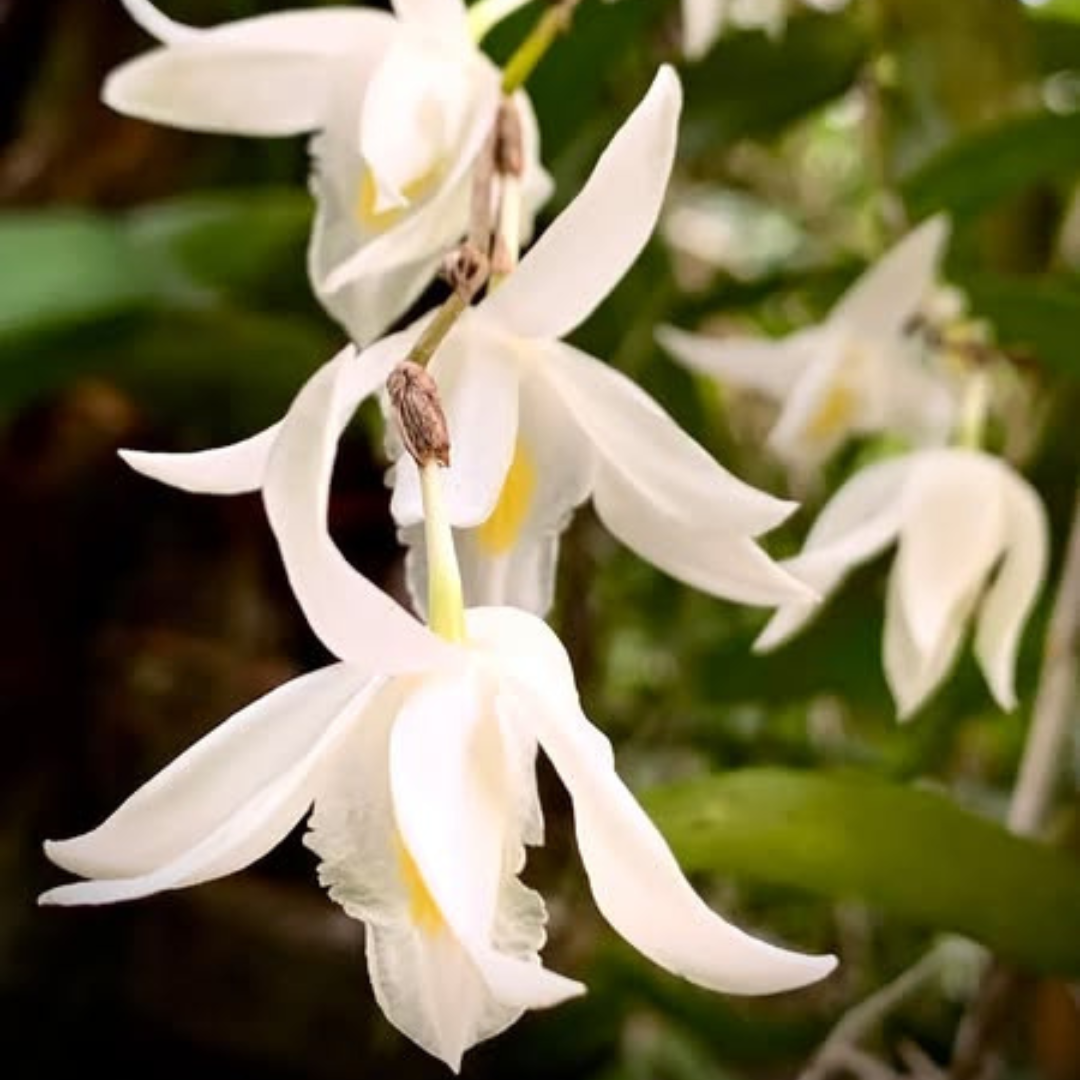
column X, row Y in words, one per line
column 436, row 330
column 555, row 21
column 446, row 606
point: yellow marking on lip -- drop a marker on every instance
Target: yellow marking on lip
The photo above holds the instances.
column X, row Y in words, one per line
column 367, row 197
column 833, row 414
column 500, row 532
column 423, row 911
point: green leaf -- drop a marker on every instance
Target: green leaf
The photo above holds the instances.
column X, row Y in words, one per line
column 975, row 172
column 911, row 853
column 752, row 85
column 1040, row 316
column 61, row 269
column 250, row 243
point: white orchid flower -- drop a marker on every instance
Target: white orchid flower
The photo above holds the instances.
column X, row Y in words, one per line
column 859, row 371
column 417, row 755
column 399, row 108
column 971, row 536
column 538, row 426
column 703, row 21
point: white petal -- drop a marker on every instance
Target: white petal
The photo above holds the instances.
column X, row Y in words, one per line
column 225, row 470
column 953, row 533
column 425, row 982
column 634, row 877
column 224, row 803
column 269, row 75
column 478, row 383
column 354, row 618
column 885, row 298
column 718, row 561
column 594, row 241
column 431, row 991
column 753, row 363
column 445, row 754
column 703, row 21
column 1009, row 599
column 857, row 523
column 442, row 17
column 156, row 23
column 640, row 442
column 426, row 102
column 912, row 672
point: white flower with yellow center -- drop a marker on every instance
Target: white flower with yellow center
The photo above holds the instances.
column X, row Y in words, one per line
column 538, row 426
column 860, row 371
column 416, row 756
column 399, row 107
column 971, row 535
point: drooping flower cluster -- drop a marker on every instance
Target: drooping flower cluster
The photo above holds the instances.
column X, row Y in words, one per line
column 967, row 525
column 415, row 753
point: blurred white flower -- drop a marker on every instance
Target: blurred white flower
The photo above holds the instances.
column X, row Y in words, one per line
column 538, row 426
column 399, row 107
column 971, row 538
column 703, row 21
column 416, row 756
column 860, row 371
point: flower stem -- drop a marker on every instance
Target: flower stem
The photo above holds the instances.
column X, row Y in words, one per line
column 1055, row 698
column 435, row 332
column 554, row 21
column 446, row 607
column 973, row 408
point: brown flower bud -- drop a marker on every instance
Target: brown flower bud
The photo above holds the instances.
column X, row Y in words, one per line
column 414, row 397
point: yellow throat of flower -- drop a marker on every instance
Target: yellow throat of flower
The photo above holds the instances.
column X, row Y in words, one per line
column 836, row 411
column 500, row 532
column 367, row 197
column 423, row 911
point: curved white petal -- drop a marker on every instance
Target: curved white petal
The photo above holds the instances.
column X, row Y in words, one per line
column 427, row 104
column 754, row 363
column 641, row 443
column 225, row 470
column 634, row 877
column 1009, row 600
column 222, row 804
column 156, row 23
column 857, row 523
column 953, row 533
column 881, row 302
column 353, row 617
column 593, row 242
column 452, row 802
column 912, row 672
column 478, row 384
column 709, row 557
column 268, row 75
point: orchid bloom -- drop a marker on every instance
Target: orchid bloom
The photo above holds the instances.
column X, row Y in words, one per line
column 399, row 107
column 857, row 372
column 538, row 426
column 970, row 533
column 417, row 754
column 703, row 21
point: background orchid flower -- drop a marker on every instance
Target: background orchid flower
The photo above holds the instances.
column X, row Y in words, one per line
column 421, row 778
column 399, row 108
column 538, row 426
column 703, row 21
column 971, row 538
column 859, row 371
